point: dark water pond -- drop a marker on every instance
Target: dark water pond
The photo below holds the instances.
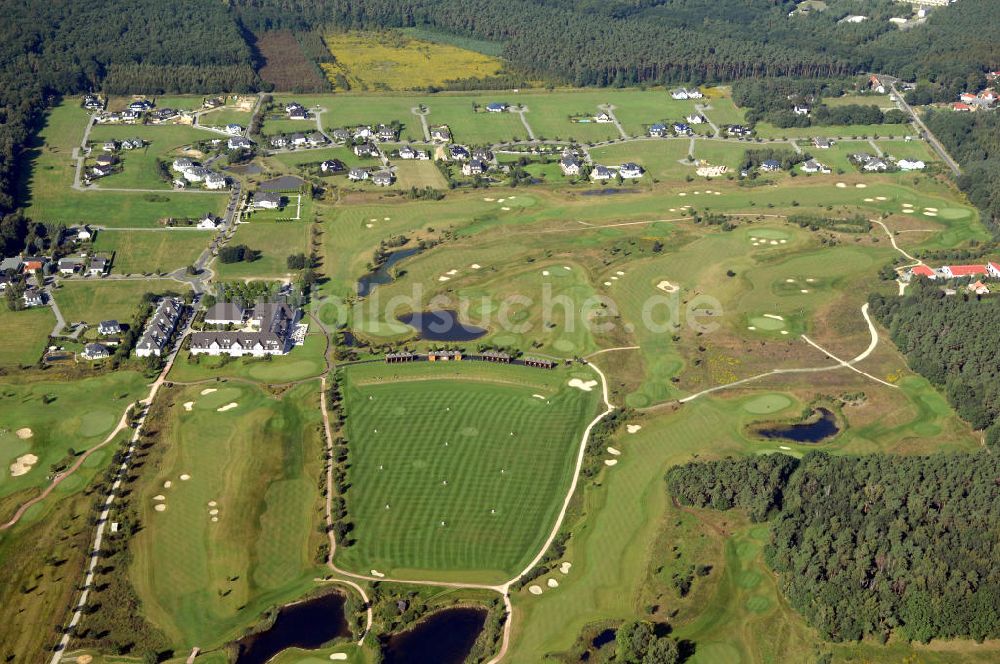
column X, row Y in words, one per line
column 604, row 638
column 441, row 325
column 812, row 431
column 306, row 625
column 607, row 191
column 383, row 274
column 446, row 637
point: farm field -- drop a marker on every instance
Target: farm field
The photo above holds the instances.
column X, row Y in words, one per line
column 476, row 128
column 478, row 507
column 201, row 580
column 26, row 333
column 882, row 101
column 418, row 174
column 93, row 301
column 276, row 240
column 225, row 115
column 394, row 61
column 61, row 415
column 140, row 252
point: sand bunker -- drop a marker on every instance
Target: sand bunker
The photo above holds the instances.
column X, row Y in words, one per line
column 789, row 281
column 368, row 225
column 377, row 573
column 215, row 519
column 552, row 583
column 535, row 590
column 545, row 273
column 385, row 218
column 185, row 477
column 607, row 283
column 188, row 405
column 930, row 214
column 505, row 208
column 22, row 464
column 160, row 507
column 784, row 447
column 208, row 390
column 841, row 185
column 212, row 503
column 538, row 396
column 632, row 428
column 667, row 287
column 751, row 327
column 614, row 451
column 567, row 267
column 159, row 498
column 489, row 200
column 475, row 266
column 338, row 656
column 861, row 185
column 931, row 209
column 784, row 331
column 869, row 200
column 611, row 462
column 774, row 316
column 167, row 484
column 564, row 567
column 586, row 386
column 451, row 273
column 25, row 433
column 682, row 194
column 804, row 290
column 228, row 406
column 213, row 512
column 620, row 273
column 444, row 278
column 881, row 198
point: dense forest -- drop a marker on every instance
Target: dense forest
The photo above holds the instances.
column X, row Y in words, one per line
column 974, row 140
column 51, row 49
column 952, row 341
column 871, row 545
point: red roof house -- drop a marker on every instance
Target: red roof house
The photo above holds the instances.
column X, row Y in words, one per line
column 959, row 106
column 957, row 271
column 923, row 271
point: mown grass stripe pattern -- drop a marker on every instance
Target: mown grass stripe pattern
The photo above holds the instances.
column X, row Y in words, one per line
column 502, row 493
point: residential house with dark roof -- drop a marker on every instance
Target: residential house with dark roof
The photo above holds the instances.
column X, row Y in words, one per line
column 160, row 328
column 270, row 331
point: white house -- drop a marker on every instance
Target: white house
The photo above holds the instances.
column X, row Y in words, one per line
column 225, row 313
column 813, row 166
column 239, row 143
column 215, row 181
column 299, row 140
column 234, row 129
column 265, row 200
column 630, row 170
column 603, row 118
column 658, row 130
column 95, row 352
column 196, row 174
column 907, row 165
column 695, row 118
column 383, row 178
column 569, row 165
column 357, row 174
column 208, row 222
column 800, row 109
column 181, row 164
column 600, row 172
column 160, row 327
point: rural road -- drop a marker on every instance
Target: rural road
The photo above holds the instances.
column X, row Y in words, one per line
column 930, row 137
column 423, row 122
column 95, row 550
column 524, row 121
column 610, row 110
column 701, row 109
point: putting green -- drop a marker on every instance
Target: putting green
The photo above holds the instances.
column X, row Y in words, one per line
column 768, row 233
column 767, row 403
column 758, row 604
column 953, row 213
column 96, row 422
column 716, row 652
column 767, row 323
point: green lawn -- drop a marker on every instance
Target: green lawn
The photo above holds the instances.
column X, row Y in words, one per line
column 139, row 252
column 472, row 466
column 303, row 362
column 660, row 158
column 276, row 240
column 25, row 334
column 203, row 581
column 61, row 414
column 92, row 300
column 139, row 167
column 223, row 116
column 767, row 130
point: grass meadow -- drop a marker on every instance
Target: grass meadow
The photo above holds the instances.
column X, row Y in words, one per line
column 276, row 240
column 92, row 300
column 472, row 466
column 25, row 334
column 202, row 581
column 140, row 252
column 139, row 167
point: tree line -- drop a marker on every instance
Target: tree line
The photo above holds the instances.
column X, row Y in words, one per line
column 952, row 341
column 872, row 545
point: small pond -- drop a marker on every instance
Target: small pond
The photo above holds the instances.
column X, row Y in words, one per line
column 820, row 426
column 307, row 625
column 445, row 637
column 441, row 325
column 606, row 191
column 383, row 273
